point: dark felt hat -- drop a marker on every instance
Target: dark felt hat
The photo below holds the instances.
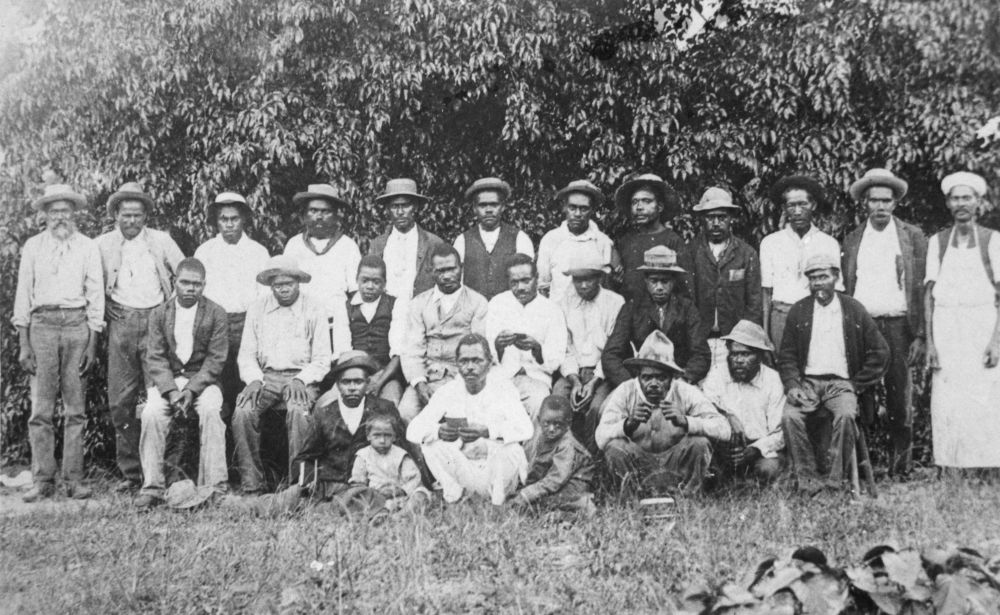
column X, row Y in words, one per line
column 648, row 181
column 321, row 191
column 130, row 191
column 354, row 358
column 400, row 187
column 802, row 182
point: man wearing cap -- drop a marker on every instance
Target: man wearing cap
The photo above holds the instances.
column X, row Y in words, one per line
column 484, row 248
column 232, row 261
column 660, row 307
column 528, row 332
column 590, row 312
column 753, row 399
column 58, row 313
column 783, row 253
column 655, row 428
column 831, row 353
column 725, row 270
column 284, row 354
column 328, row 255
column 139, row 266
column 406, row 247
column 188, row 345
column 438, row 319
column 884, row 265
column 577, row 238
column 963, row 330
column 646, row 201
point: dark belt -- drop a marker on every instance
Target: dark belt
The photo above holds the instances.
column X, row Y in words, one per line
column 56, row 308
column 132, row 309
column 826, row 377
column 888, row 318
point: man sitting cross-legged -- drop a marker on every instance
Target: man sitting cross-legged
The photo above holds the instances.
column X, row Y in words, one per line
column 471, row 431
column 655, row 428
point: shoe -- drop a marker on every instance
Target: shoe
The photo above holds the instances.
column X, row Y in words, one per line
column 38, row 492
column 126, row 485
column 146, row 501
column 79, row 491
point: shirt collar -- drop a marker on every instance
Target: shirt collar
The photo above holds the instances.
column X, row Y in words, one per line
column 756, row 382
column 438, row 296
column 274, row 306
column 813, row 229
column 889, row 228
column 832, row 308
column 410, row 234
column 240, row 243
column 140, row 237
column 357, row 300
column 181, row 308
column 588, row 235
column 484, row 233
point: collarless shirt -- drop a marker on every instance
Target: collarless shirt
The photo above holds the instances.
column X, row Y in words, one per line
column 522, row 243
column 880, row 281
column 352, row 416
column 138, row 284
column 541, row 319
column 396, row 326
column 280, row 338
column 400, row 257
column 589, row 324
column 782, row 259
column 758, row 404
column 231, row 272
column 334, row 272
column 827, row 351
column 184, row 330
column 561, row 250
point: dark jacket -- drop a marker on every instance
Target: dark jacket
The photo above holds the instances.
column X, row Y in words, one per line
column 632, row 249
column 910, row 268
column 867, row 351
column 730, row 285
column 484, row 271
column 372, row 337
column 208, row 356
column 638, row 319
column 425, row 244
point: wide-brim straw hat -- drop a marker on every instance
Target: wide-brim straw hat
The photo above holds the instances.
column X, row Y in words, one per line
column 130, row 191
column 715, row 198
column 354, row 358
column 185, row 495
column 401, row 187
column 668, row 198
column 750, row 334
column 488, row 183
column 590, row 264
column 878, row 177
column 282, row 265
column 59, row 192
column 660, row 259
column 325, row 192
column 802, row 182
column 228, row 199
column 657, row 351
column 584, row 187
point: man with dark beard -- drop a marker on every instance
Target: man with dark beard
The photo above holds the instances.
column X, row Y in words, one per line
column 58, row 312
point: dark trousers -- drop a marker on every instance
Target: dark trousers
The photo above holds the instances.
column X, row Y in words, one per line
column 821, row 435
column 229, row 381
column 898, row 393
column 126, row 378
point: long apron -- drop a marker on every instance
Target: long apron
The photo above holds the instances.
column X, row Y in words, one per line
column 965, row 399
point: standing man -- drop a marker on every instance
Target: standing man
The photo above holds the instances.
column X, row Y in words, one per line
column 406, row 247
column 832, row 353
column 232, row 261
column 660, row 307
column 438, row 318
column 726, row 272
column 284, row 354
column 578, row 238
column 484, row 248
column 783, row 253
column 378, row 327
column 590, row 312
column 188, row 345
column 139, row 266
column 647, row 202
column 884, row 266
column 529, row 333
column 58, row 312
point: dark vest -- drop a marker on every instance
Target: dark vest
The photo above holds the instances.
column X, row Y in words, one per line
column 484, row 271
column 372, row 337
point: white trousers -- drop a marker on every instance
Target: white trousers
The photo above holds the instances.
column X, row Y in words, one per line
column 494, row 475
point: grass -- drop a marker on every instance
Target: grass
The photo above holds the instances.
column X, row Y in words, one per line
column 108, row 558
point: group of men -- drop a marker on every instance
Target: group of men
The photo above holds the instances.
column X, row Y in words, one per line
column 661, row 347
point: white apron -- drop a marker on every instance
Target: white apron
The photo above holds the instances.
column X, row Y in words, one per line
column 965, row 398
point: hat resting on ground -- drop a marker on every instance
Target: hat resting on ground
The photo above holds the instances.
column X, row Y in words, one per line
column 750, row 334
column 878, row 177
column 802, row 182
column 354, row 358
column 59, row 192
column 648, row 181
column 281, row 265
column 231, row 199
column 325, row 192
column 488, row 183
column 715, row 198
column 660, row 259
column 401, row 187
column 590, row 264
column 129, row 191
column 820, row 260
column 656, row 351
column 185, row 494
column 582, row 186
column 964, row 178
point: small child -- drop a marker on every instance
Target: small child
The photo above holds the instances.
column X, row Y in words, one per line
column 384, row 475
column 560, row 467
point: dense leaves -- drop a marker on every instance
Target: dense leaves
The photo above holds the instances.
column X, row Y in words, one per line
column 265, row 97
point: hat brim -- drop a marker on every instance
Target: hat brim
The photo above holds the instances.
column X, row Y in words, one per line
column 671, row 204
column 596, row 195
column 303, row 197
column 636, row 363
column 503, row 189
column 265, row 277
column 713, row 206
column 762, row 346
column 78, row 200
column 368, row 364
column 898, row 186
column 652, row 269
column 211, row 210
column 583, row 272
column 382, row 198
column 802, row 182
column 115, row 200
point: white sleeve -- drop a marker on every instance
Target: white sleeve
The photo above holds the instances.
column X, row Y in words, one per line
column 934, row 260
column 766, row 264
column 522, row 244
column 460, row 246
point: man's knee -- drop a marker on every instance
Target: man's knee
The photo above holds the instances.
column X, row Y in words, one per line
column 154, row 412
column 409, row 405
column 619, row 452
column 209, row 403
column 768, row 469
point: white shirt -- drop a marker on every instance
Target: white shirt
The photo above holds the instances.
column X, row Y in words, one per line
column 782, row 258
column 589, row 324
column 184, row 330
column 522, row 243
column 560, row 250
column 296, row 337
column 138, row 283
column 352, row 416
column 447, row 302
column 757, row 404
column 397, row 325
column 541, row 319
column 827, row 352
column 880, row 283
column 400, row 257
column 334, row 273
column 231, row 272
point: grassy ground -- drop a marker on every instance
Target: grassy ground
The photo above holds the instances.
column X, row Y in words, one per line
column 108, row 558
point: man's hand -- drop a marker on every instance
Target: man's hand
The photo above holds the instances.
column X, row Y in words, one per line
column 583, row 394
column 673, row 414
column 526, row 342
column 375, row 383
column 747, row 456
column 992, row 355
column 423, row 392
column 472, row 432
column 447, row 432
column 797, row 396
column 932, row 357
column 506, row 338
column 917, row 352
column 180, row 401
column 89, row 355
column 113, row 311
column 738, row 431
column 27, row 359
column 250, row 394
column 392, row 491
column 296, row 395
column 642, row 412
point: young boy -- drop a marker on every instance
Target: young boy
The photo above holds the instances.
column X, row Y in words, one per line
column 561, row 468
column 384, row 475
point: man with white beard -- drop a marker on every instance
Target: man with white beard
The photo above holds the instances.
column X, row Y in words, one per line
column 58, row 312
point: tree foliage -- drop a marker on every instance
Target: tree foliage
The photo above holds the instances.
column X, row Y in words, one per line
column 192, row 98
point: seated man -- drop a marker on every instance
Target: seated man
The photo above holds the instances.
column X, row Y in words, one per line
column 528, row 331
column 438, row 318
column 284, row 354
column 377, row 323
column 831, row 352
column 753, row 399
column 187, row 345
column 662, row 308
column 471, row 431
column 655, row 428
